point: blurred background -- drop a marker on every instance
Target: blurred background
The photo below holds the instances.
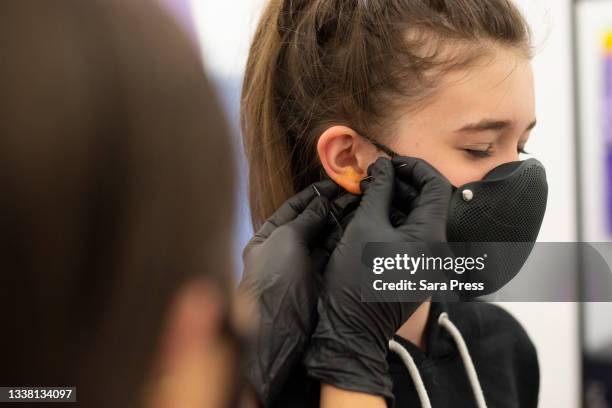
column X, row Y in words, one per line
column 573, row 139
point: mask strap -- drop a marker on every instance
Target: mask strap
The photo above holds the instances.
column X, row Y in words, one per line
column 383, row 148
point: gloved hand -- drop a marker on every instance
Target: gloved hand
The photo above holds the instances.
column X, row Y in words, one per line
column 282, row 273
column 346, row 204
column 350, row 344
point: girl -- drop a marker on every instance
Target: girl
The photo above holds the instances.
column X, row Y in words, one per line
column 330, row 86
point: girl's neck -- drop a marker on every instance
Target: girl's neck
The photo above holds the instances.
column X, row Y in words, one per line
column 414, row 328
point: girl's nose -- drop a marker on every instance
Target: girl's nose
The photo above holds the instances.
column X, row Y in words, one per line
column 507, row 155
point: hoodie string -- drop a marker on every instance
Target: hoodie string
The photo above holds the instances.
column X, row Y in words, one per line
column 468, row 364
column 398, row 349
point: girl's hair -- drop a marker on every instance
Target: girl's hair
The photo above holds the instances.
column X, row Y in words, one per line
column 316, row 63
column 117, row 191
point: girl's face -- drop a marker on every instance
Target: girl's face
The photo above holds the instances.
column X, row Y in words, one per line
column 480, row 118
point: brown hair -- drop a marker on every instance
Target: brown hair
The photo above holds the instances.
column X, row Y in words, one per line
column 315, row 63
column 117, row 190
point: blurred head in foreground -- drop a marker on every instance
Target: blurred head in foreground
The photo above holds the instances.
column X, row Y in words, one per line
column 116, row 181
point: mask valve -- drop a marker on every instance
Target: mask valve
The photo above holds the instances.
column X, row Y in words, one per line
column 467, row 194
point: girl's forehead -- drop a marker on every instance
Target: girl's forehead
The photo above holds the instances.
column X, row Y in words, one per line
column 500, row 87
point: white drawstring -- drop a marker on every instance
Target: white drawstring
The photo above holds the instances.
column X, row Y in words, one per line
column 465, row 356
column 413, row 370
column 470, row 370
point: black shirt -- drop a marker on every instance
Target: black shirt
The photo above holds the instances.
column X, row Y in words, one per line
column 504, row 357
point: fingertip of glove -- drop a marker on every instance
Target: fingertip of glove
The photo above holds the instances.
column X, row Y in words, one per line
column 406, row 163
column 380, row 166
column 417, row 169
column 381, row 174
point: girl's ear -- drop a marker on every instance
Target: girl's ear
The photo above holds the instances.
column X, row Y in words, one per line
column 345, row 156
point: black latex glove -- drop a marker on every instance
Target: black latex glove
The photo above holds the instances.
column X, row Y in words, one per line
column 282, row 274
column 350, row 344
column 346, row 204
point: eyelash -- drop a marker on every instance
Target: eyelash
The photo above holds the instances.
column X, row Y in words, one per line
column 487, row 153
column 481, row 154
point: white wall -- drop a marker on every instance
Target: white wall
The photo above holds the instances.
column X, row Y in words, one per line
column 226, row 28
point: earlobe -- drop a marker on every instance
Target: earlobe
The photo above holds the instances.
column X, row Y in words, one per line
column 351, row 180
column 345, row 156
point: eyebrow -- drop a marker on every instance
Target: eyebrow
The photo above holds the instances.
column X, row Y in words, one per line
column 491, row 124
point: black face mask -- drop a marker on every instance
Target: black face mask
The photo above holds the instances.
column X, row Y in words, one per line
column 500, row 216
column 507, row 205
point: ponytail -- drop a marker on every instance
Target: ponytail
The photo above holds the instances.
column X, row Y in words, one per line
column 267, row 150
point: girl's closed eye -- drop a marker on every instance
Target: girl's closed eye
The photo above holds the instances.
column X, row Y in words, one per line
column 487, row 151
column 479, row 151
